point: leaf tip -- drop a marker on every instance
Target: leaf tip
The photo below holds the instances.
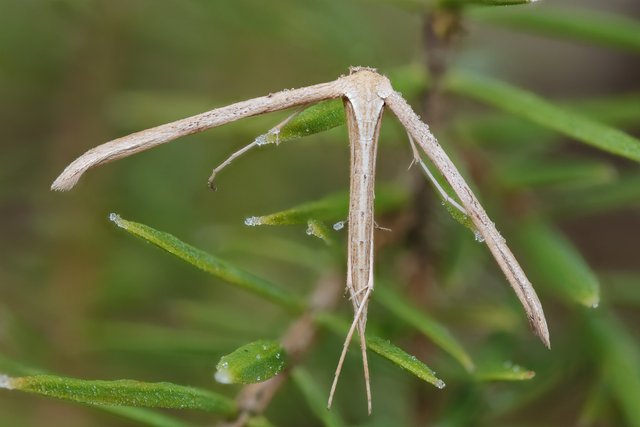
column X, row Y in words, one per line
column 253, row 221
column 223, row 375
column 6, row 382
column 252, row 363
column 116, row 219
column 593, row 301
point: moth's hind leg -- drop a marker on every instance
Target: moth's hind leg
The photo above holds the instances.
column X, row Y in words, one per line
column 359, row 323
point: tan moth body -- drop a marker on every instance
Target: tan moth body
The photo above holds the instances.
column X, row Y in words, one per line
column 363, row 106
column 365, row 94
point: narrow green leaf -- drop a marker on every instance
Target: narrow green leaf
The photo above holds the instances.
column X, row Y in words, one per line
column 212, row 265
column 122, row 393
column 327, row 115
column 331, row 208
column 252, row 363
column 619, row 357
column 618, row 111
column 433, row 330
column 317, row 118
column 555, row 263
column 507, row 372
column 623, row 193
column 319, row 230
column 403, row 359
column 383, row 348
column 141, row 415
column 619, row 32
column 566, row 173
column 316, row 399
column 595, row 405
column 537, row 110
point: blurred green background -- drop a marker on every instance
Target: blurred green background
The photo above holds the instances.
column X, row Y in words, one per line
column 80, row 298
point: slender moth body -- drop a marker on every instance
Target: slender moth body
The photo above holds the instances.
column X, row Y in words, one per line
column 365, row 94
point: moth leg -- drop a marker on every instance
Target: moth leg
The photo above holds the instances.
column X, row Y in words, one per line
column 227, row 162
column 487, row 229
column 260, row 140
column 379, row 227
column 418, row 160
column 362, row 323
column 355, row 324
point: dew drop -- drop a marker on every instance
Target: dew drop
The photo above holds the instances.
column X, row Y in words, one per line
column 223, row 376
column 252, row 221
column 262, row 139
column 338, row 225
column 5, row 382
column 479, row 238
column 115, row 218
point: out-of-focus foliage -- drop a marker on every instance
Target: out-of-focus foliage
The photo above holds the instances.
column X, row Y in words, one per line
column 538, row 106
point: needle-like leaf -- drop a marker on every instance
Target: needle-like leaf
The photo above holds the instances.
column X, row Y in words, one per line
column 433, row 330
column 142, row 415
column 122, row 393
column 209, row 263
column 557, row 265
column 589, row 26
column 620, row 361
column 507, row 372
column 531, row 107
column 385, row 349
column 334, row 207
